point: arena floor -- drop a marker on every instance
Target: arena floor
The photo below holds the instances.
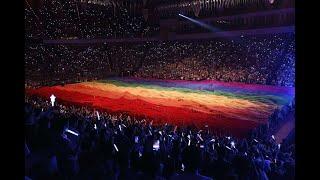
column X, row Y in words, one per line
column 237, row 107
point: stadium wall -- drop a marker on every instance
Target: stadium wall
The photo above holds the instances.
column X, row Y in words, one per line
column 261, row 31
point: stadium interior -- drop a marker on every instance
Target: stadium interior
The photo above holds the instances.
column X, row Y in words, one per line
column 159, row 89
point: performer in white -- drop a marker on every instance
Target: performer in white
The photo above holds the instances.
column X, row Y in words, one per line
column 53, row 99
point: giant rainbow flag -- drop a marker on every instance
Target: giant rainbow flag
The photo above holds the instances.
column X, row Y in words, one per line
column 235, row 106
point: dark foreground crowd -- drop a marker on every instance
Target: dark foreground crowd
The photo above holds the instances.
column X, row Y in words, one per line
column 70, row 142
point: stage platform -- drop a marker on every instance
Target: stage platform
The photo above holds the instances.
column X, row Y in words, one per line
column 237, row 107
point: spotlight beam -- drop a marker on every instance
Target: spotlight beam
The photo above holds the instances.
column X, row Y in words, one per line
column 200, row 23
column 212, row 29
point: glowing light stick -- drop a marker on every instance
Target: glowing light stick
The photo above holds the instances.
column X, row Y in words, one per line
column 98, row 115
column 120, row 128
column 273, row 137
column 72, row 132
column 189, row 142
column 175, row 128
column 115, row 147
column 232, row 144
column 156, row 145
column 95, row 126
column 199, row 137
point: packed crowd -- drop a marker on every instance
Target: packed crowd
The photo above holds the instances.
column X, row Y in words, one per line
column 71, row 142
column 277, row 19
column 209, row 8
column 269, row 59
column 63, row 64
column 31, row 24
column 45, row 64
column 57, row 19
